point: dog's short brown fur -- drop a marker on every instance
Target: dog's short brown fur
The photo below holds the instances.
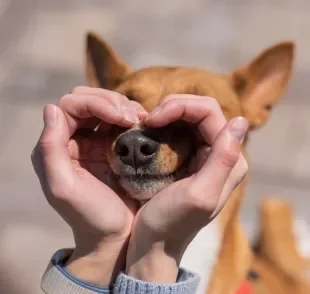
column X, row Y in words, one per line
column 250, row 91
column 280, row 265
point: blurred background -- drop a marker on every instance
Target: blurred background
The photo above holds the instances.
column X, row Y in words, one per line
column 42, row 58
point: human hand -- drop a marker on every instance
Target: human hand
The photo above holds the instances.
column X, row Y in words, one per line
column 165, row 226
column 100, row 218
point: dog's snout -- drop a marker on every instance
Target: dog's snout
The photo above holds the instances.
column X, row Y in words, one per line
column 136, row 149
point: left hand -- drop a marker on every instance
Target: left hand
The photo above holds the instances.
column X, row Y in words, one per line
column 165, row 226
column 75, row 179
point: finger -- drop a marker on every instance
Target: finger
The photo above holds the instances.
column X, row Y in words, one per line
column 206, row 113
column 52, row 151
column 141, row 112
column 223, row 157
column 182, row 96
column 199, row 159
column 236, row 176
column 117, row 99
column 77, row 108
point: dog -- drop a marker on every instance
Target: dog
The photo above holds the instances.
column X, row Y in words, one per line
column 144, row 161
column 281, row 264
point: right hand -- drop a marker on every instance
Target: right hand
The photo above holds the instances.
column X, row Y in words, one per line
column 164, row 226
column 101, row 220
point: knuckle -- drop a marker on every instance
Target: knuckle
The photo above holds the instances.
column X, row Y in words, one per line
column 213, row 103
column 194, row 199
column 199, row 202
column 117, row 96
column 124, row 98
column 45, row 145
column 229, row 156
column 64, row 100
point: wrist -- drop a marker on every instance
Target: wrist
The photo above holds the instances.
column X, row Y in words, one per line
column 154, row 263
column 98, row 263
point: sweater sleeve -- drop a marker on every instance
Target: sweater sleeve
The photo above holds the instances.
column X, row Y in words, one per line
column 57, row 280
column 187, row 283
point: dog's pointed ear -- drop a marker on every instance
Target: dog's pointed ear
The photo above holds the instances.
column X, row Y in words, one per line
column 105, row 69
column 261, row 83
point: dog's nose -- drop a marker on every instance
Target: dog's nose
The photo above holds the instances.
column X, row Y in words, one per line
column 135, row 149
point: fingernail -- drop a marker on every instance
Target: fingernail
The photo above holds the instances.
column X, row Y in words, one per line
column 238, row 128
column 50, row 115
column 130, row 114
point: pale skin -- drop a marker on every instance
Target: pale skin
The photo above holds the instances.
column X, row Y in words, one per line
column 142, row 241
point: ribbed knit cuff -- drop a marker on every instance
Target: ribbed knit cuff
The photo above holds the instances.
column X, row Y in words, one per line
column 57, row 280
column 187, row 283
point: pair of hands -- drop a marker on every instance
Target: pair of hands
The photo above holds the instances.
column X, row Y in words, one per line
column 112, row 233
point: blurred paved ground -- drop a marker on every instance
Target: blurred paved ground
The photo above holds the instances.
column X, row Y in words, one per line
column 41, row 46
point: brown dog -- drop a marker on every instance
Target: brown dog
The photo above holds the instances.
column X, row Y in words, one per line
column 144, row 161
column 282, row 266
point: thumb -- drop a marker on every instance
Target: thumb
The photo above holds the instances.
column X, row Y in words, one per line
column 222, row 159
column 53, row 150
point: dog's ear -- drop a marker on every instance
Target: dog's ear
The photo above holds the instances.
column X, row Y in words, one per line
column 261, row 83
column 104, row 68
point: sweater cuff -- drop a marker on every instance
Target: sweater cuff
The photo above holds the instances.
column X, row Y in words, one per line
column 187, row 283
column 57, row 280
